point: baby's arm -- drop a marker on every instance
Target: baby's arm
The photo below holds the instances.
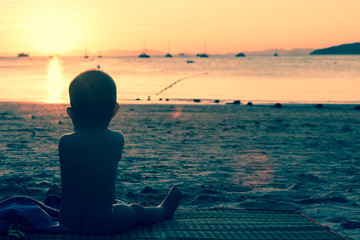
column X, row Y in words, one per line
column 121, row 143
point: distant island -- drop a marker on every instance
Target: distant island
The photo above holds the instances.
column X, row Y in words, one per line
column 344, row 49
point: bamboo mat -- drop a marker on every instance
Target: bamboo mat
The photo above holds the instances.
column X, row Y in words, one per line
column 220, row 224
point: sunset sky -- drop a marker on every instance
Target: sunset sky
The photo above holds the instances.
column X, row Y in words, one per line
column 226, row 26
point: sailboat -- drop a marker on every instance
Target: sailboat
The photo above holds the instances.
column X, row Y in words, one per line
column 276, row 52
column 86, row 54
column 144, row 55
column 168, row 55
column 99, row 54
column 203, row 55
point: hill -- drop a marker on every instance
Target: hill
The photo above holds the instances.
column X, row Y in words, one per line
column 344, row 49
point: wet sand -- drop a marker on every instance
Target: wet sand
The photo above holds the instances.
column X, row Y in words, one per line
column 297, row 157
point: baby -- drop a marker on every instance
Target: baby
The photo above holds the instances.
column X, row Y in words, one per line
column 89, row 159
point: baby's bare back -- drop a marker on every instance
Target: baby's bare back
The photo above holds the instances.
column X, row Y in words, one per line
column 88, row 160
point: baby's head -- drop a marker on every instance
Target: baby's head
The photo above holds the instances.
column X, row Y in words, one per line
column 92, row 99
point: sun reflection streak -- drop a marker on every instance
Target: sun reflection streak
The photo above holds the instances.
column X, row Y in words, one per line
column 54, row 78
column 253, row 168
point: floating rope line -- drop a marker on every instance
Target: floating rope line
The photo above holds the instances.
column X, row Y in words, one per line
column 179, row 80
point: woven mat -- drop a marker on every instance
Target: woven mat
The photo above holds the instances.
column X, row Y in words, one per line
column 220, row 224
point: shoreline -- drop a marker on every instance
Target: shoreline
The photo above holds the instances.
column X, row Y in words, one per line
column 207, row 102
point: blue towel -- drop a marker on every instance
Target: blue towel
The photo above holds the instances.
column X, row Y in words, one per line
column 33, row 216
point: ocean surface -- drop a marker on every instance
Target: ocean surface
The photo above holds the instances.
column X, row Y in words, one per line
column 259, row 79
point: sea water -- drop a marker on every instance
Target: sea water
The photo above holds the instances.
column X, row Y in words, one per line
column 265, row 79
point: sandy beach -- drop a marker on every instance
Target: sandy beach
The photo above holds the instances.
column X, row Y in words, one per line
column 297, row 157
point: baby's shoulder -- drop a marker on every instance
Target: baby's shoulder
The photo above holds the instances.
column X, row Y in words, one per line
column 66, row 137
column 66, row 140
column 117, row 136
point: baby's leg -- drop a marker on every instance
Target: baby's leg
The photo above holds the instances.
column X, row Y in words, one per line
column 129, row 215
column 125, row 217
column 164, row 211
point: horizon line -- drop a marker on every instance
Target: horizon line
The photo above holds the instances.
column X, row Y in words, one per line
column 135, row 52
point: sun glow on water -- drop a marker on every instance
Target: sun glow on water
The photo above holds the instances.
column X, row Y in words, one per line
column 255, row 79
column 55, row 81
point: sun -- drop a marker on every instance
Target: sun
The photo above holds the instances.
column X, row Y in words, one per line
column 55, row 35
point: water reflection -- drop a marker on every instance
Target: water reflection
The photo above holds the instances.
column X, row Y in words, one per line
column 54, row 79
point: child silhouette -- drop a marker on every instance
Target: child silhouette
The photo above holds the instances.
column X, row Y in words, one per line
column 89, row 159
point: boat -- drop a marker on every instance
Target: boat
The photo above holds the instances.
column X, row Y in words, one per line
column 168, row 55
column 202, row 55
column 23, row 54
column 276, row 52
column 99, row 54
column 240, row 55
column 189, row 61
column 144, row 55
column 86, row 55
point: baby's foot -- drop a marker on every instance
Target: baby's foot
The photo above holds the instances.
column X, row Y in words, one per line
column 171, row 202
